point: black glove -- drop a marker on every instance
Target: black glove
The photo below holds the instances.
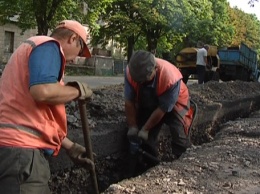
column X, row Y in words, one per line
column 77, row 155
column 84, row 89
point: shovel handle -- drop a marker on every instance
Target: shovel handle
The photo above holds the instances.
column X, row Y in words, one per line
column 87, row 140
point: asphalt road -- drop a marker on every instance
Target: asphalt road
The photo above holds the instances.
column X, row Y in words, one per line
column 96, row 81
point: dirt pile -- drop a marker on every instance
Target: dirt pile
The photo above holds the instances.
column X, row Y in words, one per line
column 107, row 104
column 222, row 161
column 225, row 91
column 228, row 164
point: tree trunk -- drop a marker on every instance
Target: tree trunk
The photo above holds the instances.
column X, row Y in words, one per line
column 42, row 28
column 152, row 41
column 130, row 47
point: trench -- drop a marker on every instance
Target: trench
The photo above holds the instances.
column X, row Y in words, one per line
column 112, row 168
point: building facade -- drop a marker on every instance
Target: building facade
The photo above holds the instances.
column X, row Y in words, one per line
column 11, row 37
column 102, row 61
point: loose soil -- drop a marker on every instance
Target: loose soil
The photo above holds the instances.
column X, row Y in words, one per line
column 226, row 161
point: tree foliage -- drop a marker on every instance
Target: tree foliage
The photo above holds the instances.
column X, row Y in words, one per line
column 96, row 9
column 247, row 28
column 43, row 14
column 161, row 25
column 164, row 25
column 252, row 2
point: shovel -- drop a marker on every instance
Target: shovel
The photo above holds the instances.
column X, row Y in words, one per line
column 134, row 154
column 87, row 140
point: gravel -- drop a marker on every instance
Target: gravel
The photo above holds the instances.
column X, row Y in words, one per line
column 226, row 163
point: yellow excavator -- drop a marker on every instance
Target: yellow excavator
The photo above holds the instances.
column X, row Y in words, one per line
column 186, row 63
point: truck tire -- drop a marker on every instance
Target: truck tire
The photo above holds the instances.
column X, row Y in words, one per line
column 242, row 74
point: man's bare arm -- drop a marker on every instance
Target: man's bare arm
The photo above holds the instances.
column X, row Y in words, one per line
column 53, row 93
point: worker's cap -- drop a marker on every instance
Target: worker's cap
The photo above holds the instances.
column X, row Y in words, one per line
column 141, row 65
column 79, row 30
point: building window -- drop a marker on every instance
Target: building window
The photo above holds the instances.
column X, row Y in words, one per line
column 9, row 42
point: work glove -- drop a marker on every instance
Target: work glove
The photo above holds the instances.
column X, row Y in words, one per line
column 143, row 134
column 132, row 132
column 84, row 90
column 77, row 154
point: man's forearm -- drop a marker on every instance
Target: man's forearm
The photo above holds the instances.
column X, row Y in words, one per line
column 66, row 143
column 154, row 119
column 130, row 112
column 54, row 93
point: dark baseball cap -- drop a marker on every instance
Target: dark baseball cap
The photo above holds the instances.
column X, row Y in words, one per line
column 141, row 65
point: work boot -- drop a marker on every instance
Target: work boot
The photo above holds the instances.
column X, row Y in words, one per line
column 177, row 151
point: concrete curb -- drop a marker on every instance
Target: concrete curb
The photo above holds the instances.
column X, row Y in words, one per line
column 113, row 139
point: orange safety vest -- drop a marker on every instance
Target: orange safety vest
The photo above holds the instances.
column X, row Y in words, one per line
column 24, row 122
column 167, row 75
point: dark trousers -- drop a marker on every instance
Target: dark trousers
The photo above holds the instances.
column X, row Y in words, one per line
column 23, row 171
column 201, row 70
column 148, row 102
column 180, row 141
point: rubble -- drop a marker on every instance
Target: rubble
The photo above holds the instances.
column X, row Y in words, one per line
column 226, row 160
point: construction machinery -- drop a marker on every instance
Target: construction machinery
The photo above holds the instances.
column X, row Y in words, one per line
column 186, row 63
column 232, row 63
column 238, row 63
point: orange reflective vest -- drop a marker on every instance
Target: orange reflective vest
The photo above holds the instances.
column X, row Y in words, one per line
column 24, row 122
column 167, row 75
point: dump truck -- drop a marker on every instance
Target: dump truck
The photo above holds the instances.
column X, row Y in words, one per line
column 232, row 63
column 186, row 63
column 238, row 63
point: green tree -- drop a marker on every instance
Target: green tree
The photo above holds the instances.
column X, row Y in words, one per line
column 96, row 9
column 159, row 18
column 119, row 22
column 247, row 28
column 197, row 24
column 221, row 29
column 132, row 22
column 44, row 14
column 208, row 22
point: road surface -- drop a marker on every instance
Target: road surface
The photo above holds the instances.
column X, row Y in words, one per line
column 96, row 81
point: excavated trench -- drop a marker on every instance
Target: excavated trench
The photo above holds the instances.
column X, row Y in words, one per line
column 108, row 134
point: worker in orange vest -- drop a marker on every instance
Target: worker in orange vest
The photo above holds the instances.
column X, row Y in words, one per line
column 32, row 112
column 155, row 94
